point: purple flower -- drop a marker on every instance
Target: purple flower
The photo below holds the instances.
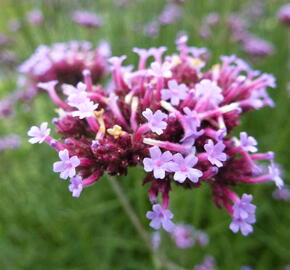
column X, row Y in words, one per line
column 215, row 153
column 151, row 29
column 155, row 240
column 220, row 134
column 284, row 14
column 67, row 166
column 143, row 53
column 160, row 70
column 116, row 61
column 175, row 92
column 158, row 52
column 257, row 47
column 193, row 122
column 243, row 215
column 38, row 134
column 207, row 264
column 10, row 142
column 48, row 85
column 35, row 17
column 282, row 193
column 209, row 89
column 183, row 168
column 201, row 238
column 246, row 267
column 248, row 143
column 70, row 90
column 158, row 163
column 160, row 217
column 155, row 121
column 87, row 19
column 170, row 14
column 76, row 186
column 275, row 174
column 190, row 135
column 197, row 52
column 85, row 108
column 183, row 236
column 192, row 118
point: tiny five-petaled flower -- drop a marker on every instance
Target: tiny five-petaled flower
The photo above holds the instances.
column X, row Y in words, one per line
column 160, row 217
column 67, row 166
column 38, row 134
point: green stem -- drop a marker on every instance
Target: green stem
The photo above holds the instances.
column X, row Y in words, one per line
column 130, row 211
column 159, row 260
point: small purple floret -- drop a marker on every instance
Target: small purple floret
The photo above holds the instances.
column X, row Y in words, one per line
column 160, row 217
column 243, row 215
column 155, row 121
column 275, row 174
column 183, row 168
column 76, row 186
column 248, row 143
column 67, row 166
column 215, row 153
column 158, row 163
column 38, row 134
column 175, row 92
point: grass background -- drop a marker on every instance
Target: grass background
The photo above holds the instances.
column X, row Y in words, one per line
column 43, row 227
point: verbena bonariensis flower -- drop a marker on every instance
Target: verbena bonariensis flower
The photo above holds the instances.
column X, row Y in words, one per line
column 170, row 14
column 282, row 193
column 64, row 62
column 87, row 19
column 35, row 17
column 207, row 264
column 11, row 141
column 284, row 14
column 175, row 117
column 257, row 47
column 186, row 236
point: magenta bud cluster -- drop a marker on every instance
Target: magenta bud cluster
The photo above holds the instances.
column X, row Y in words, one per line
column 173, row 116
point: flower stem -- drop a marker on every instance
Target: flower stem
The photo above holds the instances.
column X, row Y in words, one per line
column 160, row 261
column 130, row 211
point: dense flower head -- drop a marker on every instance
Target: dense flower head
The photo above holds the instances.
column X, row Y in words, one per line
column 243, row 215
column 35, row 17
column 170, row 14
column 207, row 264
column 257, row 47
column 160, row 217
column 11, row 141
column 284, row 14
column 282, row 193
column 65, row 62
column 87, row 19
column 174, row 117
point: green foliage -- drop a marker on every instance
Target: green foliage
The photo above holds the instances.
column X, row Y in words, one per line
column 43, row 227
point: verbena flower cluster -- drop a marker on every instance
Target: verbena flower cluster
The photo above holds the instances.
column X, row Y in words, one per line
column 63, row 62
column 284, row 14
column 174, row 117
column 184, row 236
column 238, row 25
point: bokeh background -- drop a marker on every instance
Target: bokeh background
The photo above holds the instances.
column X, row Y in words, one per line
column 43, row 227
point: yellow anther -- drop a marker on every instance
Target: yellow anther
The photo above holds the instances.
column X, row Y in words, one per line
column 116, row 131
column 197, row 62
column 216, row 67
column 99, row 116
column 60, row 112
column 175, row 59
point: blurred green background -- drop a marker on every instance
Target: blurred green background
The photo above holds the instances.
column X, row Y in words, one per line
column 43, row 227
